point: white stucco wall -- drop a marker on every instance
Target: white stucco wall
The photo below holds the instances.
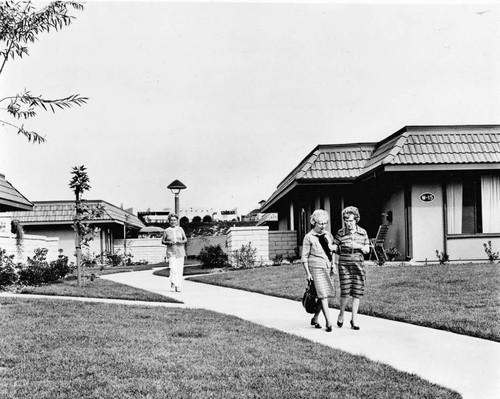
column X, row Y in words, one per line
column 29, row 244
column 427, row 222
column 471, row 248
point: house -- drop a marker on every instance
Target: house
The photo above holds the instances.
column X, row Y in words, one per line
column 11, row 199
column 262, row 219
column 438, row 188
column 55, row 219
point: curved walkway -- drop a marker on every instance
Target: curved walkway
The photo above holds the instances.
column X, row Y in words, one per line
column 470, row 366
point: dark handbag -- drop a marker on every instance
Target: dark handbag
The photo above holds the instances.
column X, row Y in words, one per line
column 309, row 299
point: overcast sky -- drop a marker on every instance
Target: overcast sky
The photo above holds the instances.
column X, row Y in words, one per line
column 229, row 97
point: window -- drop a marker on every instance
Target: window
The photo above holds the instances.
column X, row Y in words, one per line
column 473, row 205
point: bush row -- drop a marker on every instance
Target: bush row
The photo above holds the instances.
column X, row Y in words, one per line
column 36, row 271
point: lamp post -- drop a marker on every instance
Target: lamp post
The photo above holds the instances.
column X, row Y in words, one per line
column 176, row 186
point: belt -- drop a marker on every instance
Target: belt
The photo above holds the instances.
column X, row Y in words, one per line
column 349, row 251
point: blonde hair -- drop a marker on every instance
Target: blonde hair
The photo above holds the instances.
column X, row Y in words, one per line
column 172, row 215
column 317, row 214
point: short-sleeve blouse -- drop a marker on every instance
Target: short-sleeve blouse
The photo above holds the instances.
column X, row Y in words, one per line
column 343, row 239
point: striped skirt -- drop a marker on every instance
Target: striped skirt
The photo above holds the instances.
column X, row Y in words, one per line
column 351, row 275
column 322, row 277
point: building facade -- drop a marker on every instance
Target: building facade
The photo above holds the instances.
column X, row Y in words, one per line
column 437, row 187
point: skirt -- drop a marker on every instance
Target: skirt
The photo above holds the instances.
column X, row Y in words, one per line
column 176, row 271
column 351, row 275
column 323, row 281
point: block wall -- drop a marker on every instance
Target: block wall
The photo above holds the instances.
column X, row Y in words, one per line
column 258, row 237
column 195, row 244
column 282, row 243
column 143, row 249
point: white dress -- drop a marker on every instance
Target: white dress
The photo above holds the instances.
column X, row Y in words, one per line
column 175, row 254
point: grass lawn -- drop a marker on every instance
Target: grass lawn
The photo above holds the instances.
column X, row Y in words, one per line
column 460, row 298
column 100, row 288
column 190, row 271
column 52, row 349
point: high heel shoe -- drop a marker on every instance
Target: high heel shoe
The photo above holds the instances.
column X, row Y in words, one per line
column 328, row 328
column 340, row 323
column 315, row 323
column 354, row 327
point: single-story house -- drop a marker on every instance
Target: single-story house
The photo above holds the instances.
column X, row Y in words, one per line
column 55, row 219
column 11, row 199
column 437, row 187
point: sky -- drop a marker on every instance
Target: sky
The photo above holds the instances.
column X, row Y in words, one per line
column 229, row 97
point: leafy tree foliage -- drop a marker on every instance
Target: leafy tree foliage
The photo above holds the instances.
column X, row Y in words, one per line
column 20, row 25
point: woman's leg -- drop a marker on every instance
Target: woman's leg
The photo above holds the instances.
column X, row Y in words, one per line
column 174, row 271
column 326, row 311
column 180, row 273
column 318, row 310
column 343, row 304
column 355, row 307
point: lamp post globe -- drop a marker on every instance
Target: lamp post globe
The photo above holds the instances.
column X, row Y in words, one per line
column 176, row 186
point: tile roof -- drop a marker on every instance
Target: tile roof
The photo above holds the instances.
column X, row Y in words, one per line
column 10, row 198
column 410, row 146
column 438, row 145
column 342, row 161
column 63, row 212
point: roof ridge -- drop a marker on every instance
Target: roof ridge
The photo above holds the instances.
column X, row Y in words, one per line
column 398, row 145
column 308, row 163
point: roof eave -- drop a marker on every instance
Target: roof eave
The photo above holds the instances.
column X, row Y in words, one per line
column 16, row 206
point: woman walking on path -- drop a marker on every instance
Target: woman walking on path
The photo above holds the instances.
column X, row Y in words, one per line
column 317, row 261
column 175, row 238
column 351, row 242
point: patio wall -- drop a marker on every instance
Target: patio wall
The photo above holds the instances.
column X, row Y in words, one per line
column 153, row 251
column 143, row 249
column 29, row 244
column 258, row 237
column 282, row 243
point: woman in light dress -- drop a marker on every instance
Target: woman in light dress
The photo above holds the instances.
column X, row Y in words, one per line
column 175, row 239
column 317, row 261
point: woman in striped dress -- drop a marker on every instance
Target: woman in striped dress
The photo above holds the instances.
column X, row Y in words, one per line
column 351, row 242
column 317, row 261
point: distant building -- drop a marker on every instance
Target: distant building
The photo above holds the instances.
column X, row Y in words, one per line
column 189, row 214
column 262, row 219
column 56, row 218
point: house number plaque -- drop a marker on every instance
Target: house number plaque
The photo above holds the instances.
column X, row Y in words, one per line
column 427, row 197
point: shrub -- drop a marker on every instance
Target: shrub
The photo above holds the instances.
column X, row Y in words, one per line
column 443, row 257
column 38, row 271
column 392, row 253
column 278, row 260
column 245, row 257
column 492, row 256
column 118, row 258
column 61, row 267
column 213, row 256
column 8, row 275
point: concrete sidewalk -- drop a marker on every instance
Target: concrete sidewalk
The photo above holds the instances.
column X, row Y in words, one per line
column 470, row 366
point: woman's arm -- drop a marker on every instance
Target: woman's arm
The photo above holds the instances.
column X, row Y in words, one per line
column 306, row 250
column 183, row 236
